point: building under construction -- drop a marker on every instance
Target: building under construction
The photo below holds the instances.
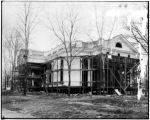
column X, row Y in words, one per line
column 99, row 68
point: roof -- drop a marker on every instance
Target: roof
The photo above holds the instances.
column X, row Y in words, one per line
column 84, row 48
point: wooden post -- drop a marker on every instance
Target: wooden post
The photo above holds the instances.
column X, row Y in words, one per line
column 119, row 68
column 114, row 72
column 91, row 67
column 83, row 75
column 101, row 72
column 107, row 72
column 125, row 73
column 57, row 75
column 89, row 71
column 104, row 79
column 48, row 76
column 52, row 76
column 44, row 79
column 80, row 76
column 113, row 83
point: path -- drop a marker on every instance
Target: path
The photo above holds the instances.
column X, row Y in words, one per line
column 13, row 114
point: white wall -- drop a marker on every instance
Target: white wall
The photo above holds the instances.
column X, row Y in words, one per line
column 54, row 76
column 75, row 73
column 65, row 78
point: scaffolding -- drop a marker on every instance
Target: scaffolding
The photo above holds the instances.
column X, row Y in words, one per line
column 96, row 77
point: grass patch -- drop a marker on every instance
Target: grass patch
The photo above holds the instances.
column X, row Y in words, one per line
column 63, row 114
column 53, row 106
column 11, row 100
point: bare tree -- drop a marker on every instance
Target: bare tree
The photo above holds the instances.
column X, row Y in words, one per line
column 5, row 67
column 26, row 25
column 65, row 30
column 142, row 38
column 99, row 26
column 138, row 36
column 12, row 45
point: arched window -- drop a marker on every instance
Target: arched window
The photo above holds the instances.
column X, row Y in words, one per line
column 119, row 45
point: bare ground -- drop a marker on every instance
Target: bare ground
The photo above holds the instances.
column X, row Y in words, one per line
column 77, row 106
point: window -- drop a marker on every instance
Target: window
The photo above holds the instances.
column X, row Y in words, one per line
column 119, row 45
column 62, row 64
column 61, row 71
column 50, row 78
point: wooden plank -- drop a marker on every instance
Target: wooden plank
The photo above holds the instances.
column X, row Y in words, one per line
column 118, row 93
column 117, row 81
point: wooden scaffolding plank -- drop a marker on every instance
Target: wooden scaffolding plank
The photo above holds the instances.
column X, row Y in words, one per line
column 117, row 81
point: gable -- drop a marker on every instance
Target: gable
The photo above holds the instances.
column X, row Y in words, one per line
column 119, row 43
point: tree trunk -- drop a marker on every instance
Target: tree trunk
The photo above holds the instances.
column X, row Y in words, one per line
column 69, row 75
column 12, row 84
column 26, row 71
column 103, row 81
column 25, row 80
column 146, row 84
column 24, row 86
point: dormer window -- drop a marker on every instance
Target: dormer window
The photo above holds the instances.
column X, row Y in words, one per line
column 119, row 45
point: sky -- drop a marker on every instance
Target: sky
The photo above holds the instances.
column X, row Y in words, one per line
column 114, row 13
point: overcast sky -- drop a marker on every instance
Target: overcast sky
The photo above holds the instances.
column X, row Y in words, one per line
column 44, row 40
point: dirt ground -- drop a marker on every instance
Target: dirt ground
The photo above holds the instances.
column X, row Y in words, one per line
column 77, row 106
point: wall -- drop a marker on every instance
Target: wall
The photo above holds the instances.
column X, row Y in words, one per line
column 75, row 73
